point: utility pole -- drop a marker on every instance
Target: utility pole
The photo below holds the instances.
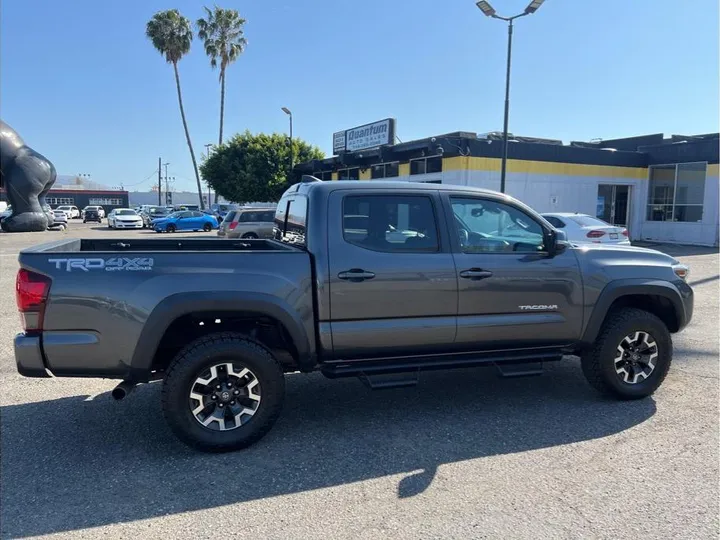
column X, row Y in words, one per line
column 167, row 189
column 160, row 181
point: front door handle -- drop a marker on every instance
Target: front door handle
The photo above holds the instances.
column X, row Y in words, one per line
column 475, row 274
column 356, row 275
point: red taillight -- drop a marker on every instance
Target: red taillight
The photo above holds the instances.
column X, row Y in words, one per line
column 31, row 292
column 233, row 224
column 595, row 234
column 625, row 233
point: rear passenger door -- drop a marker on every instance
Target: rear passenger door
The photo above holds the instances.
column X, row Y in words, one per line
column 393, row 289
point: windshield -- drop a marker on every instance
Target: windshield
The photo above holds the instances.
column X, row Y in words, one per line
column 125, row 213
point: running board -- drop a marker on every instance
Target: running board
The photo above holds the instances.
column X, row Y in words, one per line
column 520, row 360
column 390, row 380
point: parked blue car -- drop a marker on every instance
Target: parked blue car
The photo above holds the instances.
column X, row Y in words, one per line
column 185, row 220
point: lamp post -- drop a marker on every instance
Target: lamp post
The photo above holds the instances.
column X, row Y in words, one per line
column 489, row 11
column 292, row 157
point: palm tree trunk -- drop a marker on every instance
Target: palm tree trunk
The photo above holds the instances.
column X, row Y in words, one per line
column 222, row 102
column 187, row 135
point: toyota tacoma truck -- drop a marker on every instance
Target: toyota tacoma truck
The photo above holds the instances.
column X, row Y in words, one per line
column 377, row 280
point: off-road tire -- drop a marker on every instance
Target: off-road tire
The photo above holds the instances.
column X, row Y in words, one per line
column 199, row 356
column 598, row 361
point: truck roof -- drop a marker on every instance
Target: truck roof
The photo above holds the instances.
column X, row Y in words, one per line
column 311, row 183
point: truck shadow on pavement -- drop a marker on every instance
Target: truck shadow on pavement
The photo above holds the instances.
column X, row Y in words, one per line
column 71, row 464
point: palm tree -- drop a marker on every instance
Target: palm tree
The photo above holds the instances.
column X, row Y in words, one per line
column 171, row 34
column 222, row 33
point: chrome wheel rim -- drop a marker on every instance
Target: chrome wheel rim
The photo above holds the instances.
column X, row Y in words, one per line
column 636, row 357
column 225, row 396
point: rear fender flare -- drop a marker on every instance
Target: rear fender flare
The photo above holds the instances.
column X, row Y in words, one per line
column 181, row 304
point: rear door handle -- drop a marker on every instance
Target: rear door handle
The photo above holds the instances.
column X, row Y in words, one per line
column 475, row 274
column 356, row 275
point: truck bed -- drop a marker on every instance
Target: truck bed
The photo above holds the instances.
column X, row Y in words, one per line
column 108, row 295
column 158, row 244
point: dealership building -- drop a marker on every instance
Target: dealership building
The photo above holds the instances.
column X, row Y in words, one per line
column 663, row 189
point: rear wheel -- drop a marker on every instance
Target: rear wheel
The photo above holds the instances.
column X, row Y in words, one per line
column 207, row 227
column 170, row 228
column 631, row 356
column 223, row 392
column 250, row 235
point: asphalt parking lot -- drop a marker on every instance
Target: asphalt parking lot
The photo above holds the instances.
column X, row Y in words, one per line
column 462, row 455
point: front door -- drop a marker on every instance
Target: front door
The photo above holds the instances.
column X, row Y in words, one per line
column 613, row 204
column 511, row 292
column 393, row 290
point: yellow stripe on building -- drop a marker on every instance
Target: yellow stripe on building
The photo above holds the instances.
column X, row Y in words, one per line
column 365, row 174
column 460, row 163
column 404, row 169
column 713, row 170
column 334, row 175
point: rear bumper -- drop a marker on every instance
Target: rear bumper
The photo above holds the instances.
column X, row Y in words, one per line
column 28, row 356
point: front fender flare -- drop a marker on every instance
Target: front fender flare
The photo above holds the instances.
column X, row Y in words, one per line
column 625, row 287
column 180, row 304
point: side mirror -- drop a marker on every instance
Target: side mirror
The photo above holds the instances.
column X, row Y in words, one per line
column 556, row 242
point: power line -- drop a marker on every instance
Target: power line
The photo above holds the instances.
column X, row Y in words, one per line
column 145, row 180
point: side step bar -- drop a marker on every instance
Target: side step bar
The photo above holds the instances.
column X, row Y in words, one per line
column 513, row 363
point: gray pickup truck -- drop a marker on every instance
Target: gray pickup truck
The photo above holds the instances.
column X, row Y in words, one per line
column 379, row 280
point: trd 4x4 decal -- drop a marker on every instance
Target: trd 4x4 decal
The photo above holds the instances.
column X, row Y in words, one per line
column 113, row 264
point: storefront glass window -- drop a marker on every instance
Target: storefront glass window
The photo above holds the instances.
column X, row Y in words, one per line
column 676, row 192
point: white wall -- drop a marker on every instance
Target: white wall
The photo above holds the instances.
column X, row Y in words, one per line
column 571, row 193
column 548, row 193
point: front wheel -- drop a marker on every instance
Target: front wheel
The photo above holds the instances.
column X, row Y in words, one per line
column 250, row 236
column 170, row 228
column 631, row 356
column 207, row 227
column 223, row 392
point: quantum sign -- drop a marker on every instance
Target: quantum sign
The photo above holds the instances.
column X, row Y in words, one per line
column 364, row 137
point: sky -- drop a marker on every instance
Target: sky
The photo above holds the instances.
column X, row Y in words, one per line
column 83, row 85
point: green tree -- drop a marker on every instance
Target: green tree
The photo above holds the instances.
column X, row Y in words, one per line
column 171, row 34
column 222, row 34
column 253, row 168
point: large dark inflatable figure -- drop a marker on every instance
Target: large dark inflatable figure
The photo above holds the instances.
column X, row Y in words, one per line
column 27, row 176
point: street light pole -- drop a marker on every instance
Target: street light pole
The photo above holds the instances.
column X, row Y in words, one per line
column 489, row 11
column 292, row 157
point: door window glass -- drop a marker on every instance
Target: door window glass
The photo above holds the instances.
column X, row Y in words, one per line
column 485, row 225
column 390, row 223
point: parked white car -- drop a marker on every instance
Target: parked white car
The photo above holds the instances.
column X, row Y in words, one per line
column 124, row 218
column 60, row 220
column 72, row 211
column 585, row 229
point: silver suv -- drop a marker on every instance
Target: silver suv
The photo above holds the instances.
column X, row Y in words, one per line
column 248, row 223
